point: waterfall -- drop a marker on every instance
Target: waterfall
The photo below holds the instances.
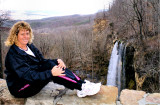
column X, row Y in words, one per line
column 116, row 69
column 112, row 72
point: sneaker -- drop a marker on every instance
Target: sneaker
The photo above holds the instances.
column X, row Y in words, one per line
column 89, row 89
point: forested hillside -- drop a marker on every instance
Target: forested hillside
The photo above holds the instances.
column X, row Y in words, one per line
column 135, row 23
column 54, row 22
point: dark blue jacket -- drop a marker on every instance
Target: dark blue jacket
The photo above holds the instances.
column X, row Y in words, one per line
column 22, row 68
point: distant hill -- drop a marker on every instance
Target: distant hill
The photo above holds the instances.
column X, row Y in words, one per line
column 54, row 22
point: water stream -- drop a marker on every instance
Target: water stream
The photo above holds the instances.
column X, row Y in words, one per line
column 116, row 68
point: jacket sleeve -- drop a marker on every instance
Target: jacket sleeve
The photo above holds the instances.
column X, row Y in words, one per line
column 53, row 62
column 22, row 69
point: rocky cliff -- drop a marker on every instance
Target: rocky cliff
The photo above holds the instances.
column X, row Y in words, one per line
column 54, row 94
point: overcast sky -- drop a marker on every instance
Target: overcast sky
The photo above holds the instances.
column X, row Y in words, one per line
column 36, row 9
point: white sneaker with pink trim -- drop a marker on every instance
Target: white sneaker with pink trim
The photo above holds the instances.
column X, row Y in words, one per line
column 89, row 89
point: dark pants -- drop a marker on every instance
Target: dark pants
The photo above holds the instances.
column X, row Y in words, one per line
column 70, row 81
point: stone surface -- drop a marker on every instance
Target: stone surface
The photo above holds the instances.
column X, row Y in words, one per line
column 54, row 94
column 6, row 98
column 106, row 96
column 47, row 95
column 58, row 95
column 153, row 98
column 131, row 97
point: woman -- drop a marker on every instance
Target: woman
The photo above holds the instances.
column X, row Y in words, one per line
column 28, row 72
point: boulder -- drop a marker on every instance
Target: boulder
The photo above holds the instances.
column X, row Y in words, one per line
column 153, row 98
column 131, row 97
column 6, row 98
column 59, row 95
column 54, row 94
column 106, row 96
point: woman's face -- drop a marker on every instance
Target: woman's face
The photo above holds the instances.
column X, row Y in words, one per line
column 23, row 37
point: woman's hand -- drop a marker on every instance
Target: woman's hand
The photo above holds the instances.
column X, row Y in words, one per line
column 57, row 71
column 61, row 63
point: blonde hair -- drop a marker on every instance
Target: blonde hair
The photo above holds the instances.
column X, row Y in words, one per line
column 12, row 38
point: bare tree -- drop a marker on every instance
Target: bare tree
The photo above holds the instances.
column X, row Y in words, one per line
column 4, row 16
column 136, row 22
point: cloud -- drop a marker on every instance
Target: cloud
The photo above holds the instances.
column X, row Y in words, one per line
column 29, row 15
column 33, row 8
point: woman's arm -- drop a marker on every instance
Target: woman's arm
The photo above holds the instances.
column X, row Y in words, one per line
column 52, row 62
column 19, row 67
